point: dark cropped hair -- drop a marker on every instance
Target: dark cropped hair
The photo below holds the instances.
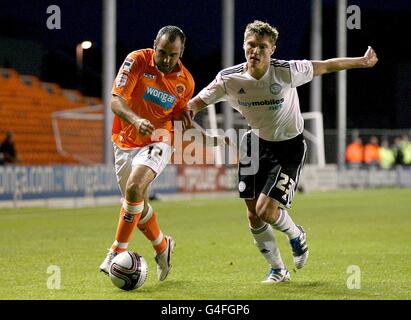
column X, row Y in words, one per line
column 172, row 33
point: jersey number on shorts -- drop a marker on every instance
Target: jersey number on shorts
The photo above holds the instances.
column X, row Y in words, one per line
column 286, row 185
column 155, row 152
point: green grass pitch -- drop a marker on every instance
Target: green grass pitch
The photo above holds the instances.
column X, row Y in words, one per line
column 215, row 257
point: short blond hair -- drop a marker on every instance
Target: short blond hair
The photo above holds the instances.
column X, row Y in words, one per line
column 262, row 29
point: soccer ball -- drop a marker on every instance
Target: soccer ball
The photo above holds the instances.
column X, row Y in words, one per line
column 128, row 270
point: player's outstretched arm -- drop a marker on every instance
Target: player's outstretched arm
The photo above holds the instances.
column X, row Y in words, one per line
column 337, row 64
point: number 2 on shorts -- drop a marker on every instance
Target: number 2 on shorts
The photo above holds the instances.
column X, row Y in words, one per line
column 285, row 184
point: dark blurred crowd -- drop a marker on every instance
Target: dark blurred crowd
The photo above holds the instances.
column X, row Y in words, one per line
column 383, row 155
column 8, row 153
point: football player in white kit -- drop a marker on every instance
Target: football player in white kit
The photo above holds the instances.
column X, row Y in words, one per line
column 264, row 91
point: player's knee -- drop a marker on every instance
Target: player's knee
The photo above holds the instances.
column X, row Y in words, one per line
column 136, row 189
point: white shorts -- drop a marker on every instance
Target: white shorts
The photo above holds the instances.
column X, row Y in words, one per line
column 155, row 156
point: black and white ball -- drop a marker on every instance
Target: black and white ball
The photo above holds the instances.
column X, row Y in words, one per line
column 128, row 270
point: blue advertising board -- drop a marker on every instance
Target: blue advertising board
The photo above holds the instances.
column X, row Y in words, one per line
column 42, row 182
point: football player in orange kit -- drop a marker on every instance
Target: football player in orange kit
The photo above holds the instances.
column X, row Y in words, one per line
column 152, row 89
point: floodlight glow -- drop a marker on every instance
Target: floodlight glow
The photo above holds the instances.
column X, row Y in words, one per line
column 86, row 44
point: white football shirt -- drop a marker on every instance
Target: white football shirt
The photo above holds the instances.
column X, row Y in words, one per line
column 269, row 104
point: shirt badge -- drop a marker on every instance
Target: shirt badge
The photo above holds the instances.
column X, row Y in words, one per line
column 128, row 63
column 121, row 80
column 180, row 88
column 275, row 88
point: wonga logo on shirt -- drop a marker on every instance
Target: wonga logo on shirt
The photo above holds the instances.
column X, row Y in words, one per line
column 161, row 98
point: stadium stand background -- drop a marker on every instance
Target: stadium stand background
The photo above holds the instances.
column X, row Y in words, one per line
column 26, row 108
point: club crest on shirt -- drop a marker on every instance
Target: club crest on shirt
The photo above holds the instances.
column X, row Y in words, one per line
column 275, row 88
column 128, row 63
column 121, row 80
column 180, row 88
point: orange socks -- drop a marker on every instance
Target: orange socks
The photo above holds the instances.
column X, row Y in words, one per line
column 148, row 225
column 130, row 214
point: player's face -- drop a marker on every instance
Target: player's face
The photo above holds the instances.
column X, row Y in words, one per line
column 167, row 53
column 258, row 50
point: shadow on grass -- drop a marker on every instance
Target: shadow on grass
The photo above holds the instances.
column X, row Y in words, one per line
column 190, row 290
column 309, row 284
column 167, row 287
column 319, row 290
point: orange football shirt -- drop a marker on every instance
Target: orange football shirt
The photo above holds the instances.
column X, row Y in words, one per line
column 151, row 94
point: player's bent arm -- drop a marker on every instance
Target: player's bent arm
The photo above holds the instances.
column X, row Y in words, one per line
column 337, row 64
column 119, row 107
column 196, row 105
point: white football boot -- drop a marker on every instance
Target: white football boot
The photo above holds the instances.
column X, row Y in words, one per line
column 300, row 249
column 105, row 265
column 163, row 259
column 276, row 276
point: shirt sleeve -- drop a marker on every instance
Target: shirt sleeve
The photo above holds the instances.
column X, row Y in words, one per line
column 214, row 92
column 301, row 72
column 127, row 76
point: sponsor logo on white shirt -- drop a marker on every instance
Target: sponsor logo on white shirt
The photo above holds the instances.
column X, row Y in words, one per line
column 271, row 102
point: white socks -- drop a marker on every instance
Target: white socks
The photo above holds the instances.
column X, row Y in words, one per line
column 265, row 241
column 285, row 224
